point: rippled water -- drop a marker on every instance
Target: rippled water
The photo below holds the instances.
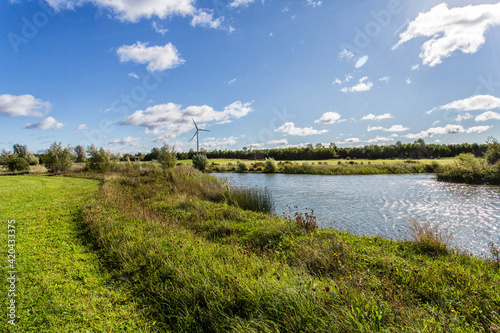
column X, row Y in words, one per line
column 383, row 205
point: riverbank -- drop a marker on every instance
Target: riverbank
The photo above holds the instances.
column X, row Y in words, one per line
column 191, row 260
column 199, row 263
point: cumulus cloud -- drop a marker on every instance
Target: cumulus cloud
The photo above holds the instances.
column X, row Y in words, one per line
column 393, row 128
column 170, row 120
column 230, row 82
column 336, row 81
column 361, row 86
column 473, row 103
column 379, row 139
column 158, row 58
column 314, row 4
column 351, row 140
column 488, row 115
column 206, row 20
column 466, row 116
column 82, row 127
column 128, row 141
column 23, row 105
column 132, row 10
column 290, row 129
column 48, row 123
column 218, row 142
column 384, row 79
column 281, row 142
column 448, row 129
column 415, row 67
column 461, row 28
column 408, row 81
column 346, row 54
column 329, row 118
column 240, row 3
column 132, row 74
column 374, row 117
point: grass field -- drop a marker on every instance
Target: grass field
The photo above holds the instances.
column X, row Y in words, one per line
column 61, row 285
column 152, row 251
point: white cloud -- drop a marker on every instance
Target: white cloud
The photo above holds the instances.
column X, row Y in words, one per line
column 415, row 67
column 170, row 120
column 408, row 81
column 329, row 118
column 133, row 10
column 448, row 129
column 206, row 20
column 287, row 8
column 254, row 145
column 488, row 115
column 282, row 142
column 393, row 128
column 23, row 105
column 374, row 117
column 82, row 127
column 48, row 123
column 384, row 79
column 158, row 58
column 466, row 116
column 336, row 81
column 474, row 103
column 461, row 28
column 159, row 29
column 314, row 4
column 240, row 3
column 348, row 78
column 128, row 141
column 289, row 128
column 346, row 54
column 132, row 74
column 351, row 140
column 361, row 86
column 379, row 139
column 230, row 82
column 218, row 142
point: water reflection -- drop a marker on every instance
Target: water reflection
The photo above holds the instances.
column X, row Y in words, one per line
column 384, row 204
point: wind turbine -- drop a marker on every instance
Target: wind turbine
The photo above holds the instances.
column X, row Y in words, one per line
column 197, row 136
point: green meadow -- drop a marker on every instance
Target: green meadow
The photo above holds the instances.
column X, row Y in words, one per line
column 180, row 251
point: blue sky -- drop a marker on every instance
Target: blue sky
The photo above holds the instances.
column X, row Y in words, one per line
column 130, row 75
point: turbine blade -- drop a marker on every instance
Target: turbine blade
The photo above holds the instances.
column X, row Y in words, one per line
column 195, row 124
column 194, row 136
column 203, row 130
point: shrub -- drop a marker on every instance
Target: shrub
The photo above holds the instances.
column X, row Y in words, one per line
column 242, row 167
column 492, row 155
column 256, row 199
column 99, row 160
column 167, row 157
column 59, row 159
column 32, row 159
column 16, row 163
column 270, row 165
column 200, row 161
column 429, row 240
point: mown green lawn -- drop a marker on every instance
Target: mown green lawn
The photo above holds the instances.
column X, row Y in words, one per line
column 61, row 285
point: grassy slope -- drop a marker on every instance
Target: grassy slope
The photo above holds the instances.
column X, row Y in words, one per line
column 202, row 265
column 61, row 285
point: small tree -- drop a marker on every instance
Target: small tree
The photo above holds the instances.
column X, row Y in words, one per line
column 270, row 166
column 200, row 161
column 16, row 163
column 99, row 160
column 492, row 155
column 59, row 159
column 167, row 157
column 20, row 150
column 81, row 155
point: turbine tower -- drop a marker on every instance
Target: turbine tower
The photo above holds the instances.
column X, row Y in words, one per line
column 197, row 136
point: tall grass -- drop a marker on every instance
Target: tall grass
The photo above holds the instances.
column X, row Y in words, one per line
column 429, row 239
column 256, row 199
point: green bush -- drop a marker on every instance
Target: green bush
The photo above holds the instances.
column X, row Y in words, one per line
column 242, row 167
column 32, row 159
column 492, row 155
column 167, row 157
column 16, row 163
column 270, row 166
column 58, row 159
column 81, row 155
column 200, row 161
column 99, row 160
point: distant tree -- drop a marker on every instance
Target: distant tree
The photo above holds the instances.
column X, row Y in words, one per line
column 167, row 157
column 242, row 167
column 16, row 163
column 58, row 159
column 99, row 159
column 153, row 155
column 200, row 161
column 81, row 155
column 20, row 150
column 492, row 155
column 319, row 145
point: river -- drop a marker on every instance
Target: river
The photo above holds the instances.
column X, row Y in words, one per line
column 383, row 205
